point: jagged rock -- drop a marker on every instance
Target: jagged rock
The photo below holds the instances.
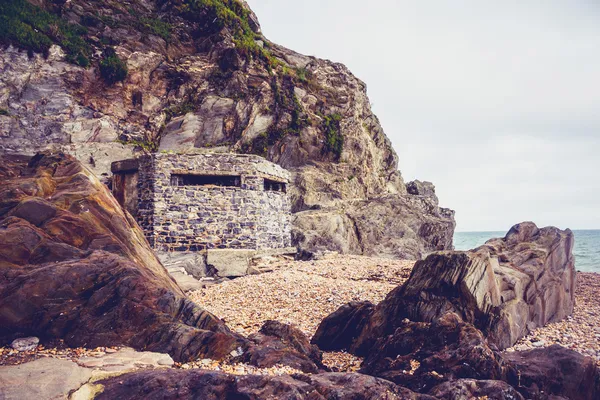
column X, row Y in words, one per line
column 96, row 281
column 506, row 288
column 445, row 350
column 202, row 92
column 396, row 226
column 425, row 189
column 474, row 389
column 277, row 343
column 553, row 371
column 339, row 330
column 173, row 384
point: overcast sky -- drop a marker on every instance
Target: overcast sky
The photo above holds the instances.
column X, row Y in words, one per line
column 496, row 102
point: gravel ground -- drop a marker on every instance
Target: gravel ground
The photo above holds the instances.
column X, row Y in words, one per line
column 303, row 293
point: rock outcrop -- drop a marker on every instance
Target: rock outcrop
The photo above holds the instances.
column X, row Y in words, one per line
column 277, row 343
column 74, row 266
column 394, row 226
column 421, row 355
column 467, row 306
column 506, row 288
column 553, row 371
column 217, row 385
column 202, row 77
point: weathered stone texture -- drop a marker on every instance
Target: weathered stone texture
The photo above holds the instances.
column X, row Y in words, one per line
column 198, row 217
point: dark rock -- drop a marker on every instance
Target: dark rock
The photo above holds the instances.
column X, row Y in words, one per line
column 422, row 355
column 505, row 288
column 278, row 343
column 177, row 384
column 74, row 266
column 339, row 330
column 474, row 389
column 35, row 210
column 553, row 371
column 426, row 189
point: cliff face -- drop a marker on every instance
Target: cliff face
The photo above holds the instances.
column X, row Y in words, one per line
column 105, row 80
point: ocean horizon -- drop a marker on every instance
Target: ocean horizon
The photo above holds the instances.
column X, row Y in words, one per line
column 586, row 251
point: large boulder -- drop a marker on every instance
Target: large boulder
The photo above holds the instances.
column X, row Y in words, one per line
column 506, row 288
column 421, row 355
column 199, row 384
column 75, row 266
column 278, row 343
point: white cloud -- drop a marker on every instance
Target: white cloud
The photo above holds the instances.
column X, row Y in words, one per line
column 497, row 103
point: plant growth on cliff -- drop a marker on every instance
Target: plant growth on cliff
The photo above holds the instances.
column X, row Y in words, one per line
column 334, row 141
column 215, row 15
column 112, row 68
column 27, row 26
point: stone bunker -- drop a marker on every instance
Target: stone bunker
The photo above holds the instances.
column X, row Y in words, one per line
column 228, row 207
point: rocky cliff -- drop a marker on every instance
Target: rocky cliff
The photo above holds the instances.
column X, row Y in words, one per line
column 105, row 80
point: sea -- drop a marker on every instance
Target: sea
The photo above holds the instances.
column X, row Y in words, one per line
column 587, row 246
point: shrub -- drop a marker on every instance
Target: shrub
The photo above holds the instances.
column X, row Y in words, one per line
column 334, row 141
column 179, row 109
column 32, row 28
column 4, row 112
column 156, row 27
column 112, row 68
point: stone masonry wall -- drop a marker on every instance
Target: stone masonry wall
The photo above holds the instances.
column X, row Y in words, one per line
column 193, row 218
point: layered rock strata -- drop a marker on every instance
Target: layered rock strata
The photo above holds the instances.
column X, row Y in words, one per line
column 75, row 266
column 506, row 288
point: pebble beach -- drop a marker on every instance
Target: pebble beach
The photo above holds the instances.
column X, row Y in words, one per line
column 304, row 292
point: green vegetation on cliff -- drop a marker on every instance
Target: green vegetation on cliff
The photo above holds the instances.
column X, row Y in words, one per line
column 112, row 68
column 27, row 26
column 218, row 14
column 334, row 141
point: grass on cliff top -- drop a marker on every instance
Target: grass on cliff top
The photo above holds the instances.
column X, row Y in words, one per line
column 233, row 15
column 30, row 27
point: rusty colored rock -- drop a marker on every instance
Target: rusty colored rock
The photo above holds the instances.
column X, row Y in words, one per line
column 74, row 266
column 278, row 343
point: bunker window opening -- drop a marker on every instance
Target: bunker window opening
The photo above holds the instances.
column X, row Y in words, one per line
column 274, row 186
column 206, row 180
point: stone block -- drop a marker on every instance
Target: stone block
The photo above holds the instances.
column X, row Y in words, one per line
column 230, row 262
